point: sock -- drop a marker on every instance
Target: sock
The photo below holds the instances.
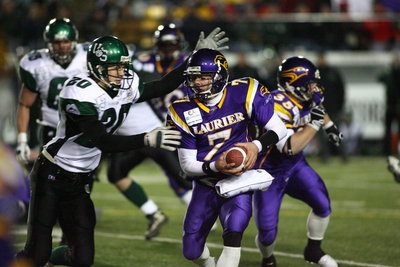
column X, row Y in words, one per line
column 316, row 226
column 149, row 207
column 266, row 251
column 187, row 197
column 230, row 256
column 135, row 194
column 205, row 260
column 60, row 256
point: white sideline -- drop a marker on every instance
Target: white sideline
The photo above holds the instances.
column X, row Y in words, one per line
column 57, row 233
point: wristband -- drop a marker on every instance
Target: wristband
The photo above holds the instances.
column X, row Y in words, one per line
column 258, row 144
column 206, row 167
column 328, row 125
column 22, row 138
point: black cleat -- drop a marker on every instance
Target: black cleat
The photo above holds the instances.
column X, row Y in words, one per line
column 318, row 256
column 156, row 221
column 269, row 262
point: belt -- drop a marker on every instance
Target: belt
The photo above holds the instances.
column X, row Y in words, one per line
column 64, row 173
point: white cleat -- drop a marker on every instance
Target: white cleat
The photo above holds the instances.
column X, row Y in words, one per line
column 327, row 261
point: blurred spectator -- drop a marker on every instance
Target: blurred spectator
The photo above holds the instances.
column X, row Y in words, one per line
column 381, row 32
column 243, row 69
column 32, row 26
column 126, row 27
column 391, row 80
column 334, row 94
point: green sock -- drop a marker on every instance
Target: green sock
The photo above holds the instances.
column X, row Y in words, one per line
column 61, row 256
column 135, row 194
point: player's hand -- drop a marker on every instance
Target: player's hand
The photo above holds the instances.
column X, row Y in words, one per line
column 251, row 154
column 317, row 117
column 317, row 97
column 215, row 40
column 394, row 167
column 163, row 137
column 23, row 151
column 334, row 135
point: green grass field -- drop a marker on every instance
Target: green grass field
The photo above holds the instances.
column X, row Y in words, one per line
column 364, row 229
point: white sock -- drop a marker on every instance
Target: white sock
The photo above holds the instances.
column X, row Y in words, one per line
column 149, row 207
column 316, row 226
column 230, row 257
column 266, row 251
column 205, row 260
column 187, row 197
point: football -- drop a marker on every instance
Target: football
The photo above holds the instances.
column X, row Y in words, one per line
column 236, row 155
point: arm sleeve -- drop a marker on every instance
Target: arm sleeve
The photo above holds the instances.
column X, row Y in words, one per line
column 165, row 85
column 96, row 132
column 189, row 163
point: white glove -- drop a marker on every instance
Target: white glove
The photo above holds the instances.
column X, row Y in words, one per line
column 214, row 40
column 23, row 150
column 163, row 137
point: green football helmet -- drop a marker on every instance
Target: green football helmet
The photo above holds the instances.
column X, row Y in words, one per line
column 60, row 30
column 105, row 52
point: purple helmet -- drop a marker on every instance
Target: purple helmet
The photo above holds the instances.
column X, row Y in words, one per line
column 207, row 62
column 294, row 76
column 168, row 40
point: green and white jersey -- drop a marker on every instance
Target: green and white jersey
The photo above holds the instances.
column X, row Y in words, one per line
column 41, row 74
column 82, row 96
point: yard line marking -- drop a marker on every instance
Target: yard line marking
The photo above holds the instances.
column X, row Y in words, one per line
column 213, row 245
column 57, row 234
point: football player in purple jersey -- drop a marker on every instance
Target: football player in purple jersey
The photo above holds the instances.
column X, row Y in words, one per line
column 213, row 118
column 298, row 103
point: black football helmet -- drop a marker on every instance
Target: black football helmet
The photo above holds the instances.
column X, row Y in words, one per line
column 295, row 75
column 60, row 30
column 206, row 62
column 168, row 41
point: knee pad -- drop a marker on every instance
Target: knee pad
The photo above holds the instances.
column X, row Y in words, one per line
column 233, row 239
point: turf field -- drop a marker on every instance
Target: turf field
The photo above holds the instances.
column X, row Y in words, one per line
column 364, row 229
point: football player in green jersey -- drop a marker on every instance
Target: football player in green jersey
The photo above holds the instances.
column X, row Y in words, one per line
column 92, row 108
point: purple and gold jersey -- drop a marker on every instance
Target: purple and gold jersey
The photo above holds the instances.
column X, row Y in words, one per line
column 295, row 115
column 212, row 130
column 150, row 62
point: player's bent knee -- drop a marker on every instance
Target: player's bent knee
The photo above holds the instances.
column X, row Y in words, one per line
column 267, row 237
column 233, row 239
column 192, row 247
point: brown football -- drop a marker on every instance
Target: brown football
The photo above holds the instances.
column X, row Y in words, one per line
column 236, row 155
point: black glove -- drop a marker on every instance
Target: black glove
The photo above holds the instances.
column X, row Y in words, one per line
column 334, row 135
column 317, row 117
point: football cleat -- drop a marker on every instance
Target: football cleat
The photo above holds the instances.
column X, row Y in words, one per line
column 318, row 256
column 156, row 221
column 269, row 262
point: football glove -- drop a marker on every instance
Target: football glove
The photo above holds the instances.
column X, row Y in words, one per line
column 317, row 117
column 335, row 136
column 394, row 167
column 163, row 137
column 215, row 40
column 23, row 151
column 317, row 98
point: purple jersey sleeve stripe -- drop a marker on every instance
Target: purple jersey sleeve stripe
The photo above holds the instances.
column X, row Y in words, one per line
column 250, row 96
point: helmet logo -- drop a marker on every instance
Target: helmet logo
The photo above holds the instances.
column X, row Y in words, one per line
column 100, row 52
column 293, row 75
column 221, row 61
column 62, row 35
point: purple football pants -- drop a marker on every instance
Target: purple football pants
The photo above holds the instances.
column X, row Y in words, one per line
column 204, row 208
column 302, row 183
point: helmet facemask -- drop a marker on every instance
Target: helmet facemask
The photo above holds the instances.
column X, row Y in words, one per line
column 214, row 86
column 59, row 54
column 117, row 81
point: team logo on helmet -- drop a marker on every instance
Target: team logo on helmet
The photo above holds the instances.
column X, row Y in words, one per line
column 221, row 61
column 294, row 73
